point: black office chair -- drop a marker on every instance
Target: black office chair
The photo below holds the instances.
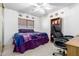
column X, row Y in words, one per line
column 59, row 39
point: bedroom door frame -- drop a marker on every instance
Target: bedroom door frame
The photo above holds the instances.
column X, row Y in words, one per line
column 2, row 27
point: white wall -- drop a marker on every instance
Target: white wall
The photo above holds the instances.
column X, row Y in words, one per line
column 74, row 20
column 37, row 25
column 70, row 20
column 45, row 25
column 10, row 25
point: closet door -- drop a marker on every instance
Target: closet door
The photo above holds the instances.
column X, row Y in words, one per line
column 1, row 17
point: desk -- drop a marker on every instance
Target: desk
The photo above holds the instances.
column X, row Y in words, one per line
column 73, row 47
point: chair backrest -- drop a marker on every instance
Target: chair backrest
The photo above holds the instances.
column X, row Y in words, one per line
column 56, row 31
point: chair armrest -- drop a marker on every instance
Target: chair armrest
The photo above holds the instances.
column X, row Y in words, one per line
column 61, row 39
column 69, row 36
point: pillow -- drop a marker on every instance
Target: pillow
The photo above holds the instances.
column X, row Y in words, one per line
column 25, row 30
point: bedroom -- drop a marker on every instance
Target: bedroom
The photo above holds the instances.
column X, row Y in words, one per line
column 37, row 17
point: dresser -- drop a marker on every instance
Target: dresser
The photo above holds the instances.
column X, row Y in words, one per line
column 73, row 47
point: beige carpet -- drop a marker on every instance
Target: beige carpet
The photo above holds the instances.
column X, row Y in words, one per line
column 0, row 48
column 0, row 53
column 43, row 50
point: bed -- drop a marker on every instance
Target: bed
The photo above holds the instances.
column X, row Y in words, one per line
column 25, row 40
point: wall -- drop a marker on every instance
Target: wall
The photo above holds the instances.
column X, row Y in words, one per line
column 74, row 20
column 45, row 24
column 37, row 25
column 10, row 25
column 70, row 20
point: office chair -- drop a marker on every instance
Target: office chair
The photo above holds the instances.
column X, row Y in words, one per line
column 59, row 39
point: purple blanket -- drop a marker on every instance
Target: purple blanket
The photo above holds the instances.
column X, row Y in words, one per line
column 28, row 36
column 26, row 41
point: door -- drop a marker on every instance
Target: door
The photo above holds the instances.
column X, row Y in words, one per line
column 1, row 17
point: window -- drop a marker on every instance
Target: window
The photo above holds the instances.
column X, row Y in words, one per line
column 25, row 24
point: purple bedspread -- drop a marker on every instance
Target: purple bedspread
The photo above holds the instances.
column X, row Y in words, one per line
column 26, row 41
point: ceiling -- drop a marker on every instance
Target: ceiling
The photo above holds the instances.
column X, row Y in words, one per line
column 36, row 9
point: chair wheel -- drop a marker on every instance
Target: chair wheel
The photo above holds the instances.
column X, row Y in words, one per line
column 53, row 53
column 60, row 51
